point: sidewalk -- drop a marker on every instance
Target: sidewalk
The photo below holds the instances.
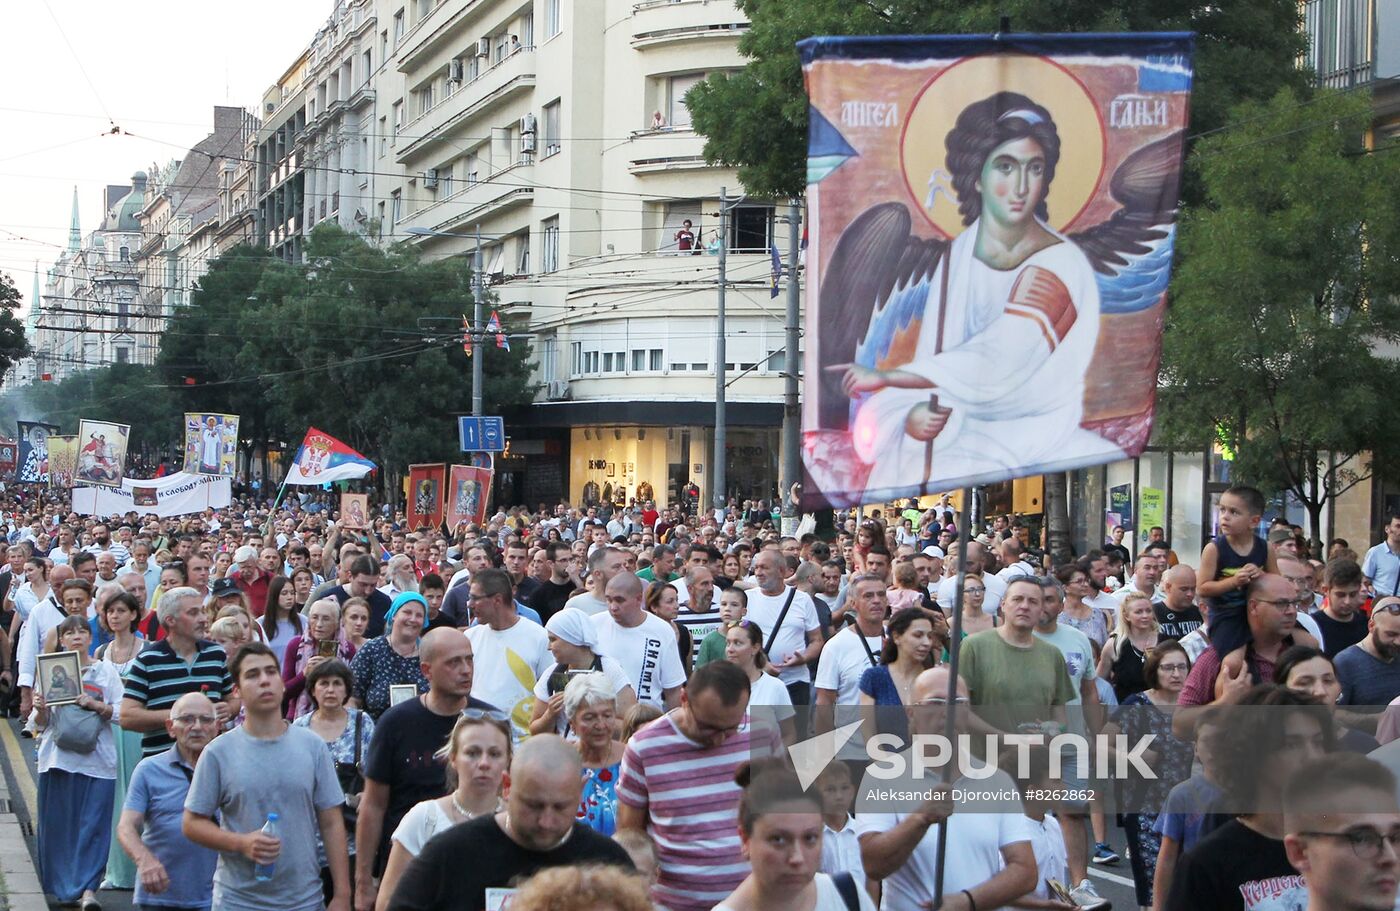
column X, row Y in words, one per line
column 21, row 890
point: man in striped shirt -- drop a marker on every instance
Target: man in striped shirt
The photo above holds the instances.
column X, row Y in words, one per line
column 178, row 664
column 677, row 786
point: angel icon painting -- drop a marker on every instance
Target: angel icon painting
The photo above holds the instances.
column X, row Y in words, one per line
column 961, row 331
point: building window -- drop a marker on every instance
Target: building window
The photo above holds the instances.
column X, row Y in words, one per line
column 656, row 363
column 607, row 362
column 527, row 31
column 398, row 120
column 552, row 138
column 123, row 313
column 424, row 8
column 550, row 262
column 383, row 136
column 425, row 98
column 396, row 208
column 124, row 254
column 676, row 87
column 751, row 229
column 367, row 65
column 552, row 25
column 523, row 260
column 123, row 355
column 575, row 358
column 398, row 28
column 639, row 360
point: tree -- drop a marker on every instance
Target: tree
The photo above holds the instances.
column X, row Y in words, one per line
column 756, row 119
column 13, row 345
column 365, row 344
column 1280, row 337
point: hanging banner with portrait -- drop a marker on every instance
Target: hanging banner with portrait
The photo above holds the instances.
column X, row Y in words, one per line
column 9, row 458
column 425, row 495
column 992, row 224
column 63, row 460
column 468, row 490
column 211, row 443
column 33, row 466
column 101, row 452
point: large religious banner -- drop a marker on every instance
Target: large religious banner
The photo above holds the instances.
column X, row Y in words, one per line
column 178, row 494
column 468, row 489
column 101, row 452
column 63, row 460
column 992, row 223
column 211, row 443
column 33, row 464
column 425, row 495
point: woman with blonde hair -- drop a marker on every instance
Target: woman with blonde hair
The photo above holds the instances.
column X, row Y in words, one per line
column 1124, row 655
column 478, row 755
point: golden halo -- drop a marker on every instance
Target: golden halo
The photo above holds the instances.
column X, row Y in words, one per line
column 937, row 106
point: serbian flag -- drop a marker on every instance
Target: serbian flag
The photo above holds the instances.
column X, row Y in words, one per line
column 494, row 325
column 322, row 459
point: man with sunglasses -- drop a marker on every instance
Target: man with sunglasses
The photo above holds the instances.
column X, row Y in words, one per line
column 172, row 871
column 1271, row 610
column 1368, row 671
column 1343, row 833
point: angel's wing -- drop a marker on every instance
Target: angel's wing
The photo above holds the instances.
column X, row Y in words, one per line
column 1146, row 185
column 872, row 302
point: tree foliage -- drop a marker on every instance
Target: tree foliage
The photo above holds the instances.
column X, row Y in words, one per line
column 756, row 119
column 361, row 342
column 1283, row 329
column 13, row 346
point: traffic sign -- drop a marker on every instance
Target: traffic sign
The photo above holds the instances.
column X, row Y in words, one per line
column 482, row 434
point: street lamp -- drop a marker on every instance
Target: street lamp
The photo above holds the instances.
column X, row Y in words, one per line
column 478, row 306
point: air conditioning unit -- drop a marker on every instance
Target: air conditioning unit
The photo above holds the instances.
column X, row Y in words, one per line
column 454, row 71
column 527, row 123
column 557, row 390
column 269, row 107
column 483, row 47
column 430, row 179
column 527, row 143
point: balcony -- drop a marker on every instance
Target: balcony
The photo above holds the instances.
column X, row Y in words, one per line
column 447, row 22
column 513, row 76
column 655, row 151
column 658, row 22
column 504, row 190
column 361, row 96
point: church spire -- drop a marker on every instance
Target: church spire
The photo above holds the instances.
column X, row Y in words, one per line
column 75, row 233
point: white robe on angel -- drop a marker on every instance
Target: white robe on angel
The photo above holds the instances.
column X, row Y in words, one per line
column 1016, row 346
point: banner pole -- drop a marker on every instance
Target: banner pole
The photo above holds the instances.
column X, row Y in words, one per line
column 954, row 647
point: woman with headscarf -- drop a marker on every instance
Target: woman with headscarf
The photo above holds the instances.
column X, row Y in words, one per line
column 391, row 658
column 572, row 640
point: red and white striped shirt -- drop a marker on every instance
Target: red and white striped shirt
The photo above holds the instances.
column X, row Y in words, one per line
column 692, row 804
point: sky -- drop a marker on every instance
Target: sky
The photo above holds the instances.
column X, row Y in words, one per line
column 154, row 68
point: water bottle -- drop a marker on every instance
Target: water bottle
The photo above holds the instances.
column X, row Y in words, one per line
column 263, row 872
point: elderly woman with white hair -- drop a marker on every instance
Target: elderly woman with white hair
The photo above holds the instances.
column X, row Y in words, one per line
column 591, row 708
column 320, row 642
column 572, row 640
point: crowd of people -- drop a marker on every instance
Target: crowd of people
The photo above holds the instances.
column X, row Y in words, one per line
column 589, row 708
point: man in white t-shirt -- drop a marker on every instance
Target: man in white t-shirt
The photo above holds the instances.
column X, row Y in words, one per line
column 511, row 653
column 643, row 643
column 604, row 563
column 799, row 636
column 989, row 861
column 848, row 655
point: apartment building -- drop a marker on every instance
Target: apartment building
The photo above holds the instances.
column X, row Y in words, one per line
column 342, row 65
column 279, row 177
column 89, row 303
column 557, row 130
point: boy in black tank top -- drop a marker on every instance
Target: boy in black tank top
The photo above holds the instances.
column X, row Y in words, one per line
column 1229, row 563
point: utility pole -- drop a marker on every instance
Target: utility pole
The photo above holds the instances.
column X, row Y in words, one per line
column 718, row 469
column 792, row 419
column 478, row 320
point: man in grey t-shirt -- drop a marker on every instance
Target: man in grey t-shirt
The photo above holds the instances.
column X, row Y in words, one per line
column 262, row 767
